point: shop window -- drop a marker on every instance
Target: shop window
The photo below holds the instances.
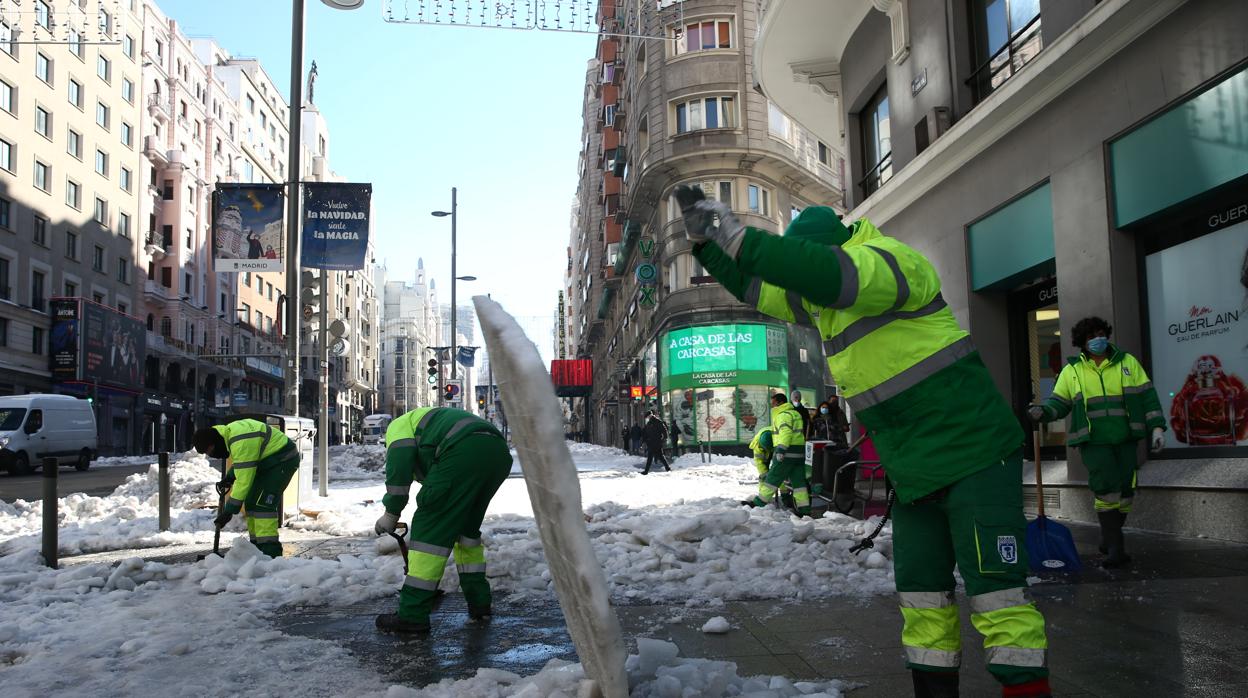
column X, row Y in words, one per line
column 1036, row 356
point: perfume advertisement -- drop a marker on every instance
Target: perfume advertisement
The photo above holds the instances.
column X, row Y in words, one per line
column 1198, row 318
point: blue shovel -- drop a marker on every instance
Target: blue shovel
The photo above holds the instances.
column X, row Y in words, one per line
column 1050, row 547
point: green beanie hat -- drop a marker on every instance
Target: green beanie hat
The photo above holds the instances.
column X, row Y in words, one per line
column 818, row 224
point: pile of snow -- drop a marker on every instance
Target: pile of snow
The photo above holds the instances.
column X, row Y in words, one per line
column 123, row 461
column 656, row 671
column 127, row 518
column 354, row 462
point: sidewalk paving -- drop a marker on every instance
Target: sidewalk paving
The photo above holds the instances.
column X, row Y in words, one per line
column 1170, row 625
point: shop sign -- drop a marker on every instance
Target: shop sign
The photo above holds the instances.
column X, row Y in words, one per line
column 1198, row 318
column 724, row 355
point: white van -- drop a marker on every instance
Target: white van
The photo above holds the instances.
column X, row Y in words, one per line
column 375, row 426
column 33, row 427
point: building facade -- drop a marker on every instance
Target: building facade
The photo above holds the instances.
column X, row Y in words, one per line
column 681, row 108
column 410, row 325
column 1057, row 160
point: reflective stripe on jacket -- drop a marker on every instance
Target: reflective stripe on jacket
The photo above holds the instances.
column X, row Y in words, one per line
column 1100, row 400
column 415, row 440
column 910, row 372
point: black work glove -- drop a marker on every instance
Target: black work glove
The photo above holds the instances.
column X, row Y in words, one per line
column 222, row 519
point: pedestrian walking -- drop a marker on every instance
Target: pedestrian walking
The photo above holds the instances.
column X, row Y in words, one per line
column 261, row 462
column 625, row 439
column 460, row 461
column 950, row 444
column 635, row 435
column 1112, row 406
column 655, row 437
column 787, row 459
column 673, row 432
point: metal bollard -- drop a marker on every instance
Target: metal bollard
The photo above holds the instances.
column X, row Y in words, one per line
column 50, row 519
column 162, row 485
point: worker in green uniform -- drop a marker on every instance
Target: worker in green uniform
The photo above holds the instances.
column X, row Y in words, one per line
column 788, row 458
column 762, row 447
column 460, row 461
column 1112, row 406
column 261, row 463
column 948, row 441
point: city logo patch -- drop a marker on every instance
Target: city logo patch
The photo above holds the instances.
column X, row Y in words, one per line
column 268, row 499
column 1126, row 371
column 1007, row 548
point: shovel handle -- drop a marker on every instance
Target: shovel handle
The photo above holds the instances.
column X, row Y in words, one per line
column 398, row 534
column 1035, row 439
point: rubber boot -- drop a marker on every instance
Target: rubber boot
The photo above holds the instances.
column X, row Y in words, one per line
column 392, row 623
column 477, row 593
column 935, row 684
column 1111, row 527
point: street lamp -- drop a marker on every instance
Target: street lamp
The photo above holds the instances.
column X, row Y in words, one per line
column 454, row 215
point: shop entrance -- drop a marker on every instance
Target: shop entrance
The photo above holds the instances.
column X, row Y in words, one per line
column 1036, row 358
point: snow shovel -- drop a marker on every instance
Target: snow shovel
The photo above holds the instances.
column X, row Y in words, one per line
column 400, row 530
column 1050, row 546
column 216, row 536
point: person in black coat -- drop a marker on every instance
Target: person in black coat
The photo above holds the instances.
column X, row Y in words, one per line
column 635, row 435
column 655, row 435
column 673, row 432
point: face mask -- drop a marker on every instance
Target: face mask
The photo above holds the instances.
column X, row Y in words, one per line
column 823, row 410
column 1098, row 345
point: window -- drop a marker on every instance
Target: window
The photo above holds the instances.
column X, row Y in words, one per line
column 43, row 14
column 71, row 244
column 97, row 261
column 126, row 179
column 75, row 93
column 6, row 39
column 101, row 163
column 37, row 296
column 4, row 332
column 246, row 313
column 167, row 190
column 251, row 104
column 705, row 112
column 73, row 194
column 123, row 225
column 778, row 123
column 127, row 134
column 6, row 214
column 6, row 291
column 127, row 46
column 127, row 90
column 43, row 122
column 36, row 347
column 877, row 143
column 39, row 234
column 102, row 114
column 1006, row 34
column 76, row 46
column 98, row 298
column 8, row 159
column 264, row 121
column 187, row 282
column 702, row 36
column 104, row 68
column 43, row 67
column 825, row 155
column 43, row 176
column 70, row 290
column 759, row 200
column 101, row 211
column 122, row 308
column 123, row 270
column 160, row 49
column 7, row 101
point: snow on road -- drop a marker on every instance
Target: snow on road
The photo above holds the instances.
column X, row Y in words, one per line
column 678, row 537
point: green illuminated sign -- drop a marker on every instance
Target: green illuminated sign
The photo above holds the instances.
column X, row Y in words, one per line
column 724, row 355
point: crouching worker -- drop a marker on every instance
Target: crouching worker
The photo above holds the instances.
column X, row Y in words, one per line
column 460, row 460
column 261, row 462
column 787, row 459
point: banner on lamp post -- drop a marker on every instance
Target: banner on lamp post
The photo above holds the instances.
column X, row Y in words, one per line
column 247, row 227
column 335, row 225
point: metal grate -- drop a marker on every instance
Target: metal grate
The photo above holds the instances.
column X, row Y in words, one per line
column 1052, row 500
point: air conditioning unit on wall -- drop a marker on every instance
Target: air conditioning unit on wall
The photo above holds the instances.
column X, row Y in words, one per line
column 933, row 125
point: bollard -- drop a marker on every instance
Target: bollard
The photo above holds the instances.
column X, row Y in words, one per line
column 162, row 484
column 50, row 467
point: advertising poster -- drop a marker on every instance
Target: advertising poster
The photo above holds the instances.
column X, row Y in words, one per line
column 65, row 339
column 335, row 225
column 247, row 227
column 1198, row 321
column 682, row 408
column 753, row 410
column 716, row 421
column 114, row 347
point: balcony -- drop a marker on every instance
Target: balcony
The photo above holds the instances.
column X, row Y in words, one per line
column 156, row 245
column 154, row 152
column 158, row 108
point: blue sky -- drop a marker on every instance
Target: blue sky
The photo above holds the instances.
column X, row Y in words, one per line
column 418, row 109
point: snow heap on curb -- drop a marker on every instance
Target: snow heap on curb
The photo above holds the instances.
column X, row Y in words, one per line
column 127, row 518
column 656, row 671
column 354, row 462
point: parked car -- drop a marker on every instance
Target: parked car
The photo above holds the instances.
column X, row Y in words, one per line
column 34, row 427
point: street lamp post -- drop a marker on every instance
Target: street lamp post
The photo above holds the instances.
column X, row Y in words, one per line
column 454, row 214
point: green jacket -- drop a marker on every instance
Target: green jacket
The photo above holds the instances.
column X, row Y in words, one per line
column 414, row 442
column 789, row 433
column 1107, row 404
column 250, row 442
column 763, row 448
column 909, row 371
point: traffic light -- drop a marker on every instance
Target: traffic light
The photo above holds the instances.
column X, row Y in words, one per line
column 448, row 393
column 311, row 295
column 481, row 402
column 433, row 372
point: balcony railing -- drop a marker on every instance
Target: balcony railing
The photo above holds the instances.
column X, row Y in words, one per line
column 878, row 175
column 1023, row 46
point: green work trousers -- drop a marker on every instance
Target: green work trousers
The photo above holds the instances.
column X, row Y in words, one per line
column 450, row 506
column 977, row 525
column 273, row 474
column 791, row 470
column 1111, row 473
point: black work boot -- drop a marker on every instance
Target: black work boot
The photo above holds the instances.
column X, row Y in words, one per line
column 392, row 623
column 479, row 612
column 1111, row 531
column 935, row 684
